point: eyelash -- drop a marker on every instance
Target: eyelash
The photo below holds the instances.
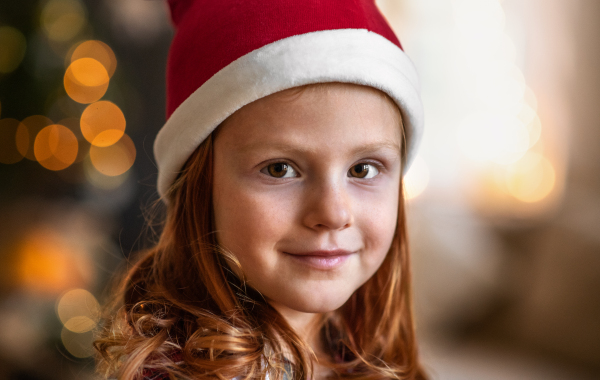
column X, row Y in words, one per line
column 378, row 166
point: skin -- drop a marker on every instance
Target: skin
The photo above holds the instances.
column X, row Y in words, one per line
column 321, row 133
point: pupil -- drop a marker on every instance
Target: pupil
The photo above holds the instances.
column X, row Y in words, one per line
column 360, row 170
column 278, row 169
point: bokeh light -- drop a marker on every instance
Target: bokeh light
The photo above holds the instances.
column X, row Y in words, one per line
column 501, row 88
column 56, row 147
column 116, row 159
column 89, row 72
column 22, row 139
column 102, row 123
column 78, row 344
column 416, row 179
column 78, row 310
column 62, row 20
column 502, row 126
column 97, row 50
column 101, row 181
column 531, row 179
column 11, row 139
column 493, row 137
column 86, row 80
column 33, row 125
column 12, row 49
column 476, row 16
column 45, row 263
column 84, row 146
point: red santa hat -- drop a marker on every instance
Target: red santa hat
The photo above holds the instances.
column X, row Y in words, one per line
column 229, row 53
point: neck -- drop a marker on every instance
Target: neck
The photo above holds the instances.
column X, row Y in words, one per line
column 306, row 325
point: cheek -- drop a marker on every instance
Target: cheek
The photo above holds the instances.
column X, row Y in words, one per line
column 378, row 225
column 246, row 221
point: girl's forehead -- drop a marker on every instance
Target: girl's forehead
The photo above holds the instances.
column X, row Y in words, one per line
column 325, row 111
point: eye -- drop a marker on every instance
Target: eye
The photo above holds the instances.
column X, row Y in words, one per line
column 279, row 170
column 365, row 171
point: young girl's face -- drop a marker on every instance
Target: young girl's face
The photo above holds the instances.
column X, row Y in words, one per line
column 306, row 187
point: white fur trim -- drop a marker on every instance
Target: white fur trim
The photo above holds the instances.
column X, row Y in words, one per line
column 344, row 55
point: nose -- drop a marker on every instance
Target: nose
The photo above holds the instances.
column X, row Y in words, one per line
column 327, row 207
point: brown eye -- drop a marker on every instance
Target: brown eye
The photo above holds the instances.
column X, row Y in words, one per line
column 363, row 171
column 280, row 170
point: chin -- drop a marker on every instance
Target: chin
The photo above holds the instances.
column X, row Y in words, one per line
column 318, row 305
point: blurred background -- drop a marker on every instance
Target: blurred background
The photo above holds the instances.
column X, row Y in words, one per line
column 504, row 198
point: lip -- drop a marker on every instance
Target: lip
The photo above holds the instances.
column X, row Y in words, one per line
column 322, row 259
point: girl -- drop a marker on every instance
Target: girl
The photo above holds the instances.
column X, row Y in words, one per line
column 284, row 251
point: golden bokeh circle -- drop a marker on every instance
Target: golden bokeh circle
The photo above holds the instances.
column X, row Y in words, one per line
column 22, row 139
column 531, row 179
column 33, row 124
column 78, row 310
column 101, row 181
column 99, row 51
column 12, row 49
column 102, row 123
column 89, row 72
column 84, row 146
column 62, row 20
column 114, row 160
column 56, row 147
column 86, row 80
column 79, row 345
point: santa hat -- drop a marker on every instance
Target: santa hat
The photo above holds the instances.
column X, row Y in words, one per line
column 229, row 53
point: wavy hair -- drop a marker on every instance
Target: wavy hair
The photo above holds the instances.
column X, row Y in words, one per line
column 180, row 312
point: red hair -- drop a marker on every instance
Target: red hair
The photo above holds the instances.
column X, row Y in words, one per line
column 179, row 310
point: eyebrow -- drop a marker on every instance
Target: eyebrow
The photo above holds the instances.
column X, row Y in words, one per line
column 363, row 149
column 386, row 145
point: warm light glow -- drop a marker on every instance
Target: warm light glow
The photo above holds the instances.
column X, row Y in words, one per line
column 479, row 22
column 86, row 80
column 46, row 263
column 33, row 124
column 56, row 147
column 534, row 127
column 84, row 146
column 531, row 99
column 62, row 20
column 502, row 124
column 416, row 179
column 78, row 310
column 114, row 160
column 502, row 89
column 100, row 180
column 10, row 134
column 89, row 72
column 102, row 123
column 99, row 51
column 530, row 179
column 12, row 49
column 493, row 137
column 78, row 344
column 22, row 139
